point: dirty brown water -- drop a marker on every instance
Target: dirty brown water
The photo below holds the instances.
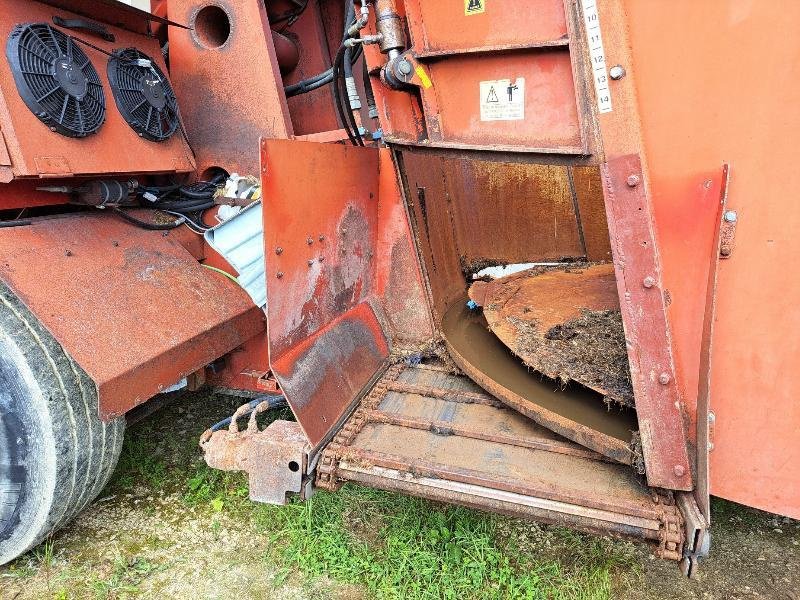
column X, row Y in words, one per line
column 469, row 333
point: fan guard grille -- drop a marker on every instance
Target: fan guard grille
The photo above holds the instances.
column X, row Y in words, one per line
column 143, row 94
column 56, row 80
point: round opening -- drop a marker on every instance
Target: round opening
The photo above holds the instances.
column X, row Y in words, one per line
column 294, row 467
column 214, row 173
column 212, row 26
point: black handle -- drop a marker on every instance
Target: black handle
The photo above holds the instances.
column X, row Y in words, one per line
column 84, row 25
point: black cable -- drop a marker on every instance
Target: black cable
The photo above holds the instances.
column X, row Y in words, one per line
column 274, row 400
column 337, row 96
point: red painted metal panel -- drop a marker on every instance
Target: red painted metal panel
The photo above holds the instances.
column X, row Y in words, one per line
column 230, row 94
column 132, row 307
column 320, row 230
column 445, row 26
column 730, row 105
column 551, row 115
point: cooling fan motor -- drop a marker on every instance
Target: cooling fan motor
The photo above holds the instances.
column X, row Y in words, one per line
column 143, row 94
column 56, row 80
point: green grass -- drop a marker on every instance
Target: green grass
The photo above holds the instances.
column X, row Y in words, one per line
column 395, row 546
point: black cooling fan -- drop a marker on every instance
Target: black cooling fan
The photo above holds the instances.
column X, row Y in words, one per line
column 144, row 95
column 56, row 79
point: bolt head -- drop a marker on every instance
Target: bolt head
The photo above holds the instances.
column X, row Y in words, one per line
column 616, row 72
column 310, row 262
column 405, row 67
column 664, row 378
column 278, row 250
column 679, row 470
column 309, row 241
column 649, row 282
column 321, row 238
column 730, row 216
column 279, row 274
column 633, row 180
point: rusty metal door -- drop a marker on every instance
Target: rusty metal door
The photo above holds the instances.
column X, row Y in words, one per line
column 320, row 231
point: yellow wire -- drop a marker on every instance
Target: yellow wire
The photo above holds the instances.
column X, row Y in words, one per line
column 221, row 272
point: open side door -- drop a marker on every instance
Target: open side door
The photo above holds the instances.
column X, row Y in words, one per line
column 320, row 230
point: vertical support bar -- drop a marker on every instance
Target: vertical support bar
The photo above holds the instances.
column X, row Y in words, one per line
column 704, row 414
column 642, row 299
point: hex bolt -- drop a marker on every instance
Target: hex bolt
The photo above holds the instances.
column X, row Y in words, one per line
column 664, row 378
column 278, row 250
column 633, row 180
column 405, row 67
column 310, row 262
column 321, row 237
column 679, row 470
column 616, row 72
column 67, row 252
column 279, row 274
column 649, row 282
column 730, row 216
column 309, row 240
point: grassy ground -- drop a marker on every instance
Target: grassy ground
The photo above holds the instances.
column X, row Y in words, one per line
column 169, row 527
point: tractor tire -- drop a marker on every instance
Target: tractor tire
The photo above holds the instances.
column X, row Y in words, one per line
column 56, row 455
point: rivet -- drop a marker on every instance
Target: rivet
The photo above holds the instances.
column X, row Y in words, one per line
column 68, row 253
column 679, row 470
column 310, row 262
column 664, row 378
column 649, row 282
column 278, row 250
column 633, row 180
column 725, row 251
column 321, row 259
column 321, row 237
column 616, row 72
column 310, row 240
column 730, row 216
column 115, row 243
column 279, row 274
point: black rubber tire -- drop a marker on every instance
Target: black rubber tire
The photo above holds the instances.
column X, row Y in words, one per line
column 56, row 455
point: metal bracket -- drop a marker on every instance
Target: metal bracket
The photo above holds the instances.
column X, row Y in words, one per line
column 275, row 459
column 727, row 227
column 698, row 537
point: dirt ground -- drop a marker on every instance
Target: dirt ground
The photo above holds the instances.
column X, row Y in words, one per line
column 167, row 527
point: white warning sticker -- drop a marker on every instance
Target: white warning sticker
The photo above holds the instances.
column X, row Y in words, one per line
column 503, row 100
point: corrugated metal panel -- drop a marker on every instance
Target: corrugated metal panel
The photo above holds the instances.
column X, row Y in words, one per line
column 240, row 241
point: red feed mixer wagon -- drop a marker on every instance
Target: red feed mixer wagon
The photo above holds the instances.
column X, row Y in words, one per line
column 524, row 256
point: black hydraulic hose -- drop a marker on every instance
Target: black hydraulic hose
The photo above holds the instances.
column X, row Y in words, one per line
column 274, row 400
column 195, row 194
column 16, row 223
column 337, row 96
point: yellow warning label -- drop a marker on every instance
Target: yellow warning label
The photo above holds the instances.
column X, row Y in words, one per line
column 423, row 77
column 473, row 7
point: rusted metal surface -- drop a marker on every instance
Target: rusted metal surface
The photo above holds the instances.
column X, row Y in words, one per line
column 111, row 11
column 578, row 415
column 696, row 533
column 659, row 406
column 385, row 444
column 704, row 416
column 587, row 187
column 232, row 109
column 275, row 458
column 320, row 224
column 468, row 214
column 35, row 151
column 132, row 307
column 563, row 323
column 398, row 280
